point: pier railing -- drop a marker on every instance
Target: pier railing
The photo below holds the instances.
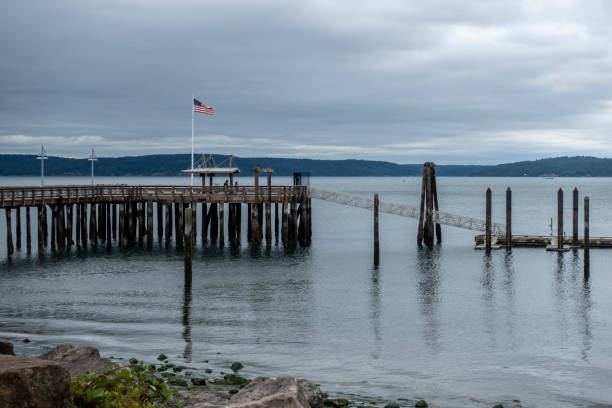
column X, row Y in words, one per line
column 35, row 196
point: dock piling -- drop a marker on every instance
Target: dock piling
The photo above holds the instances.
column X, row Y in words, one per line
column 575, row 217
column 188, row 242
column 488, row 220
column 560, row 218
column 376, row 243
column 28, row 231
column 150, row 223
column 9, row 232
column 587, row 243
column 18, row 228
column 508, row 217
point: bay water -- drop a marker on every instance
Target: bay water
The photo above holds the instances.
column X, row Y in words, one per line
column 453, row 325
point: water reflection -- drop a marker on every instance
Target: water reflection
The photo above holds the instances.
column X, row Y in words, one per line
column 186, row 317
column 375, row 308
column 560, row 296
column 428, row 265
column 487, row 281
column 509, row 276
column 583, row 306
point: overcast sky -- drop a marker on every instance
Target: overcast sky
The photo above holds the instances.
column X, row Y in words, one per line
column 406, row 81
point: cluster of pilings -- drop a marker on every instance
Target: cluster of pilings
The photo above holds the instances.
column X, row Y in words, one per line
column 97, row 216
column 429, row 203
column 555, row 242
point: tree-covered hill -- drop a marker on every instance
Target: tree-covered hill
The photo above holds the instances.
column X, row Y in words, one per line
column 172, row 164
column 577, row 166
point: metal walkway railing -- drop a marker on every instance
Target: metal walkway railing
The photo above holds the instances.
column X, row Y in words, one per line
column 403, row 210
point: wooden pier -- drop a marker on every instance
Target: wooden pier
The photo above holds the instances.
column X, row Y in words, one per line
column 98, row 215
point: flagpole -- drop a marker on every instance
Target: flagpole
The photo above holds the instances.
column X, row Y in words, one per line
column 192, row 137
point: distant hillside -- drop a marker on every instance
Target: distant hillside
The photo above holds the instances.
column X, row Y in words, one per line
column 172, row 164
column 577, row 166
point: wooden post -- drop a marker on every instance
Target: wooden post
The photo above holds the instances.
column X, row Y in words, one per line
column 59, row 227
column 180, row 227
column 70, row 224
column 194, row 222
column 28, row 231
column 45, row 225
column 177, row 212
column 587, row 243
column 434, row 190
column 268, row 223
column 114, row 221
column 508, row 218
column 18, row 227
column 422, row 208
column 160, row 221
column 109, row 232
column 575, row 217
column 121, row 224
column 150, row 224
column 168, row 224
column 276, row 226
column 214, row 223
column 376, row 243
column 9, row 232
column 488, row 220
column 249, row 221
column 188, row 241
column 238, row 223
column 93, row 227
column 221, row 222
column 293, row 223
column 141, row 223
column 134, row 224
column 205, row 221
column 41, row 234
column 309, row 219
column 84, row 224
column 77, row 220
column 428, row 228
column 285, row 222
column 53, row 226
column 560, row 219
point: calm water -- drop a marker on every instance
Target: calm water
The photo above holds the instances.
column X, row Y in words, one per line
column 452, row 325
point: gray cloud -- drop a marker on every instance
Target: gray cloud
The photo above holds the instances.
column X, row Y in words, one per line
column 449, row 81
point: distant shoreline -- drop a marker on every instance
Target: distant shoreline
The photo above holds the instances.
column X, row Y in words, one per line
column 170, row 165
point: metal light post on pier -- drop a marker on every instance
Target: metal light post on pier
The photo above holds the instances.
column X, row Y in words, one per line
column 92, row 159
column 42, row 157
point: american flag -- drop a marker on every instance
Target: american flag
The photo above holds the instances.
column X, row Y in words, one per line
column 201, row 108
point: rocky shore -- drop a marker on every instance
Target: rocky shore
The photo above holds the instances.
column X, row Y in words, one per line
column 69, row 376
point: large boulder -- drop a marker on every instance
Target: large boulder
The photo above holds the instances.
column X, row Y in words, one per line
column 31, row 382
column 278, row 392
column 6, row 347
column 202, row 399
column 79, row 360
column 313, row 393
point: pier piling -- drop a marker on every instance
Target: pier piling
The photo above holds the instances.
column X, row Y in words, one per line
column 9, row 232
column 376, row 243
column 18, row 228
column 488, row 220
column 188, row 242
column 28, row 231
column 508, row 218
column 560, row 219
column 587, row 243
column 575, row 217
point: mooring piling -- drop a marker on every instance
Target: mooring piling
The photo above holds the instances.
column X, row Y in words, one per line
column 488, row 220
column 587, row 238
column 575, row 217
column 508, row 217
column 188, row 242
column 376, row 242
column 560, row 218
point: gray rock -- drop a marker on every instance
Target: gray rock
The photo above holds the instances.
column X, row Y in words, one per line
column 421, row 404
column 6, row 347
column 313, row 394
column 202, row 399
column 31, row 382
column 79, row 360
column 279, row 392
